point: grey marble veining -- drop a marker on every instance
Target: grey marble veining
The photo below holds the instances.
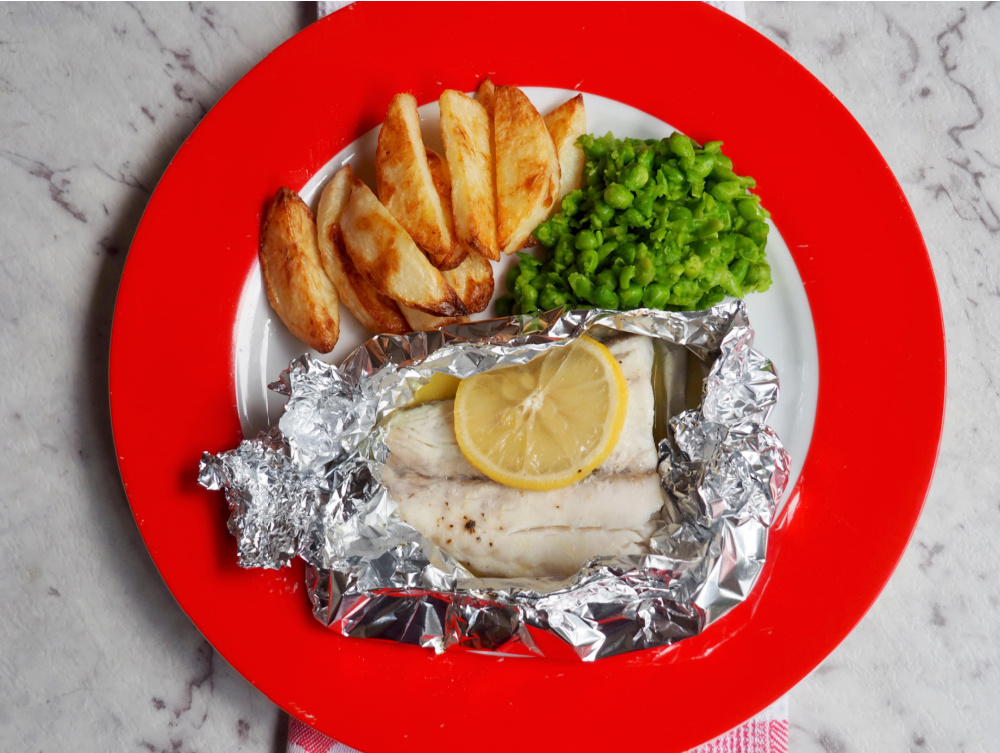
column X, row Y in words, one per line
column 922, row 670
column 94, row 100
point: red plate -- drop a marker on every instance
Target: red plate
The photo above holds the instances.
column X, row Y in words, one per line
column 839, row 208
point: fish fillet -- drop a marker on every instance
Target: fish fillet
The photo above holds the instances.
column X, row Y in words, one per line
column 501, row 531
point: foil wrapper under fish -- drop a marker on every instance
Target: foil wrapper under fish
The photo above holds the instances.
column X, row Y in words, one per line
column 311, row 488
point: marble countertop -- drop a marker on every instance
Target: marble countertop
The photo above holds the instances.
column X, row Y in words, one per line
column 95, row 99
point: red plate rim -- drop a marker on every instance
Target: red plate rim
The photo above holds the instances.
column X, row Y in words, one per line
column 859, row 493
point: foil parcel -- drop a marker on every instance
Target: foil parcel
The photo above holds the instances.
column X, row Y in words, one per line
column 310, row 488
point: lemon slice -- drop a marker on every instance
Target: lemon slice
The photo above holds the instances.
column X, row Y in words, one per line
column 547, row 423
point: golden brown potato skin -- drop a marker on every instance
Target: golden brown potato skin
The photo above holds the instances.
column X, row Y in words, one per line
column 485, row 94
column 385, row 254
column 297, row 286
column 465, row 130
column 527, row 168
column 422, row 322
column 406, row 186
column 566, row 124
column 374, row 311
column 472, row 280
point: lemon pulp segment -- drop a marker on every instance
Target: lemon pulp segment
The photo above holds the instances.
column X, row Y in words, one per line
column 547, row 423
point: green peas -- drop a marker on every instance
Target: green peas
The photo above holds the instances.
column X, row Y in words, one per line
column 659, row 223
column 604, row 297
column 757, row 232
column 605, row 249
column 644, row 271
column 727, row 190
column 625, row 277
column 603, row 211
column 607, row 278
column 645, row 158
column 711, row 297
column 630, row 297
column 527, row 298
column 544, row 235
column 571, row 203
column 633, row 218
column 758, row 277
column 551, row 298
column 682, row 147
column 685, row 292
column 635, row 176
column 512, row 276
column 702, row 166
column 655, row 296
column 618, row 197
column 626, row 252
column 678, row 213
column 587, row 261
column 749, row 210
column 582, row 286
column 693, row 266
column 738, row 269
column 564, row 253
column 586, row 240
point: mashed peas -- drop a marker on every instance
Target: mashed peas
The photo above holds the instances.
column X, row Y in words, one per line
column 658, row 224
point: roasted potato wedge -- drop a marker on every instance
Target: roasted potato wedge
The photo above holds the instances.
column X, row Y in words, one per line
column 389, row 259
column 465, row 130
column 441, row 177
column 422, row 322
column 405, row 185
column 299, row 290
column 566, row 124
column 485, row 94
column 473, row 281
column 527, row 168
column 374, row 311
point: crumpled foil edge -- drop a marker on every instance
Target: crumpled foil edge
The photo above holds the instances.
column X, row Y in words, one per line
column 311, row 488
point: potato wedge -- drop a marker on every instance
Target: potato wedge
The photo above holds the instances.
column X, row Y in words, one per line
column 485, row 94
column 465, row 130
column 299, row 290
column 389, row 259
column 423, row 322
column 441, row 177
column 406, row 187
column 566, row 124
column 527, row 168
column 473, row 281
column 374, row 311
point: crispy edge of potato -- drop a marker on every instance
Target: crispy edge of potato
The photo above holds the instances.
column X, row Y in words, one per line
column 473, row 281
column 527, row 168
column 421, row 321
column 486, row 94
column 406, row 186
column 385, row 254
column 566, row 124
column 298, row 287
column 465, row 130
column 441, row 177
column 374, row 311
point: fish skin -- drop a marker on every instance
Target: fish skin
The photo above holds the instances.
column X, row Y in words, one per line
column 502, row 531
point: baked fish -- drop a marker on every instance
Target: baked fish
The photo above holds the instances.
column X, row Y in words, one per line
column 502, row 531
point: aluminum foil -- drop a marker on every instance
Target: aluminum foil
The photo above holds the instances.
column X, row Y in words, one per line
column 311, row 488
